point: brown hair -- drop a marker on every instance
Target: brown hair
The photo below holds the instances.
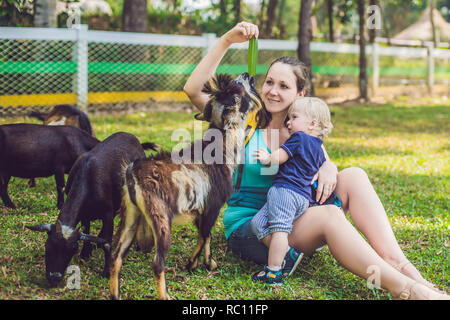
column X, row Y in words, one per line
column 302, row 74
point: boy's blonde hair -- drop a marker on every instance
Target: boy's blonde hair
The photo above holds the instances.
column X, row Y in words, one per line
column 316, row 109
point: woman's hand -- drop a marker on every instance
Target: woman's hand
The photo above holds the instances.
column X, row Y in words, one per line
column 242, row 32
column 327, row 178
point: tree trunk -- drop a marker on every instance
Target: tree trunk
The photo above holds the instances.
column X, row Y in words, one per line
column 134, row 16
column 223, row 9
column 237, row 11
column 363, row 85
column 304, row 36
column 280, row 23
column 330, row 19
column 270, row 17
column 433, row 26
column 45, row 14
column 261, row 13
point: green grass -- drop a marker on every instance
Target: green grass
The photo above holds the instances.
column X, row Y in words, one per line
column 404, row 150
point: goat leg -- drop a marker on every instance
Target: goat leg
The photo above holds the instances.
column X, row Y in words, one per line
column 193, row 259
column 59, row 178
column 126, row 234
column 209, row 261
column 4, row 180
column 87, row 246
column 106, row 233
column 206, row 224
column 158, row 272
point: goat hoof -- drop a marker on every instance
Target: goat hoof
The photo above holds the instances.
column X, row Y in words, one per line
column 10, row 205
column 192, row 265
column 212, row 265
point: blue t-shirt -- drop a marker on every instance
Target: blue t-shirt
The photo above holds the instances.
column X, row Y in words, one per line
column 305, row 158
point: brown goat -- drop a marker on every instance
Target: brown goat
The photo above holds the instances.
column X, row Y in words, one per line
column 158, row 191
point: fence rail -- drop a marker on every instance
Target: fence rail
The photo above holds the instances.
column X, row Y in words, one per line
column 45, row 66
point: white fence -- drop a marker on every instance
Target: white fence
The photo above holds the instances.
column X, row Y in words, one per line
column 44, row 66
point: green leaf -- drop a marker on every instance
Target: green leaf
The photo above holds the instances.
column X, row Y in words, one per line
column 252, row 56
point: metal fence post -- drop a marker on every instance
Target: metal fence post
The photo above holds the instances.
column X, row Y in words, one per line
column 210, row 39
column 375, row 67
column 81, row 59
column 430, row 66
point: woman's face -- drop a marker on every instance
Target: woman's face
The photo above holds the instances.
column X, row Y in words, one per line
column 280, row 88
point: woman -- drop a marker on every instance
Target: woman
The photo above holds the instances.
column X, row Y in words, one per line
column 319, row 225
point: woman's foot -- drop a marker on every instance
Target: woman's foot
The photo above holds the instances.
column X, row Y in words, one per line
column 417, row 291
column 408, row 269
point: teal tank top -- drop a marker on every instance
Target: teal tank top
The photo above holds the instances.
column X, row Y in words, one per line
column 255, row 183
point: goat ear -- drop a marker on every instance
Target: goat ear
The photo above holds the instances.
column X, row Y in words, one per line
column 40, row 227
column 200, row 116
column 87, row 237
column 206, row 114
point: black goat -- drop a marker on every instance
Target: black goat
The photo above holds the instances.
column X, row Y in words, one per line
column 93, row 192
column 34, row 150
column 64, row 114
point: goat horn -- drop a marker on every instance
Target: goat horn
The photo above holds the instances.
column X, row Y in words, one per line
column 58, row 226
column 46, row 227
column 87, row 237
column 200, row 116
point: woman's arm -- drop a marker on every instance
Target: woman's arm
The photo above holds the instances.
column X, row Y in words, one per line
column 327, row 178
column 243, row 31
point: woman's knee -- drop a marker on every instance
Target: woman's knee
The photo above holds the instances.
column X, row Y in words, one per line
column 349, row 180
column 328, row 214
column 352, row 174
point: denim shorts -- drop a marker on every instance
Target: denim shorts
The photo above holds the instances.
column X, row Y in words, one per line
column 244, row 244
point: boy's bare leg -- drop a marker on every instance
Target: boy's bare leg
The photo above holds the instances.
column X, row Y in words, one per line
column 277, row 249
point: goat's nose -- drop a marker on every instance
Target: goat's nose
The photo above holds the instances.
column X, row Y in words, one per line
column 245, row 75
column 54, row 278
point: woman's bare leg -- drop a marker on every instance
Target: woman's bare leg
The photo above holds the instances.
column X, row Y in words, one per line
column 328, row 225
column 367, row 212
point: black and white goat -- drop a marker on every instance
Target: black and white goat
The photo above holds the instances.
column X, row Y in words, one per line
column 93, row 192
column 158, row 191
column 34, row 150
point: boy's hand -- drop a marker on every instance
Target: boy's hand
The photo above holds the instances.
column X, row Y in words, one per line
column 263, row 156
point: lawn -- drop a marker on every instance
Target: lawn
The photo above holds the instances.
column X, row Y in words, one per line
column 403, row 148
